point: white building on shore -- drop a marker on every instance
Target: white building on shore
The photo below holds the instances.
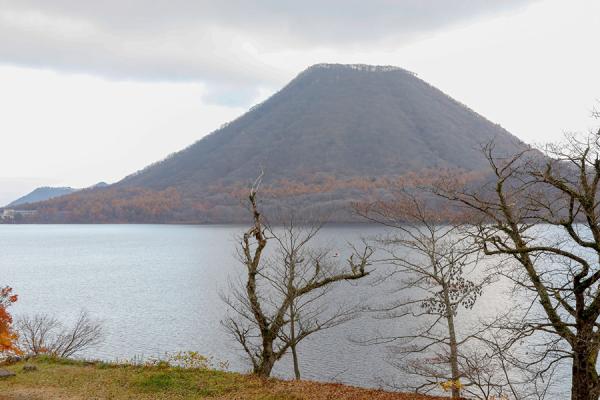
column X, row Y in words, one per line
column 10, row 214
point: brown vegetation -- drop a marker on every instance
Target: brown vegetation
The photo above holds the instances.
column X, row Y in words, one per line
column 222, row 202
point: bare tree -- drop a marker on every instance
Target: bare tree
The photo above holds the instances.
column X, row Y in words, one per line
column 43, row 334
column 277, row 304
column 558, row 262
column 432, row 256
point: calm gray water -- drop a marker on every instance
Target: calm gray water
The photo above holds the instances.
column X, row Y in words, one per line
column 156, row 288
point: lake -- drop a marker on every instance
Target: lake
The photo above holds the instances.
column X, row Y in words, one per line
column 156, row 289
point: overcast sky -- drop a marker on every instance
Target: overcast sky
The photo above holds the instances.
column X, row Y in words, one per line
column 94, row 90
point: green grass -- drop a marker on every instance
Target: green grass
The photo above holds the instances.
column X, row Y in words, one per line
column 70, row 380
column 76, row 378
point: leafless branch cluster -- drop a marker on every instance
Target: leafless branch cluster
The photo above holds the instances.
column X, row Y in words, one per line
column 43, row 334
column 433, row 262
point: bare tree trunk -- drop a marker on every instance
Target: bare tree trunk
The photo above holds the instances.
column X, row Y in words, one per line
column 453, row 345
column 293, row 342
column 585, row 385
column 263, row 370
column 267, row 360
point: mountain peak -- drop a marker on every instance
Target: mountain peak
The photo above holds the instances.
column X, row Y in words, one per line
column 356, row 67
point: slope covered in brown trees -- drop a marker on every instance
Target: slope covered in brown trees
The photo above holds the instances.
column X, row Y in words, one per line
column 334, row 134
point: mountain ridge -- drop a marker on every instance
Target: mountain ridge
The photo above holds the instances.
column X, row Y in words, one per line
column 42, row 193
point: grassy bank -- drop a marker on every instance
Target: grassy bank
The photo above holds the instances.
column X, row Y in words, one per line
column 66, row 379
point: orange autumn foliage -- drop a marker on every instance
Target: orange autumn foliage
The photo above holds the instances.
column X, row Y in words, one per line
column 8, row 337
column 220, row 202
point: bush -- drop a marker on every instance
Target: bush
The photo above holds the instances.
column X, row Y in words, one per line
column 43, row 334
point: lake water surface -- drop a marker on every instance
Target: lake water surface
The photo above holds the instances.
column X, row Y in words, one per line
column 156, row 289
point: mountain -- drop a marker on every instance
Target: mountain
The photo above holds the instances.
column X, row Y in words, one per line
column 47, row 193
column 345, row 120
column 41, row 194
column 330, row 134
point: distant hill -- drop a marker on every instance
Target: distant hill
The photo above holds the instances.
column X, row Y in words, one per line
column 47, row 193
column 331, row 134
column 41, row 194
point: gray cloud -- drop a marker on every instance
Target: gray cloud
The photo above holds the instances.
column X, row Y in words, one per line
column 217, row 43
